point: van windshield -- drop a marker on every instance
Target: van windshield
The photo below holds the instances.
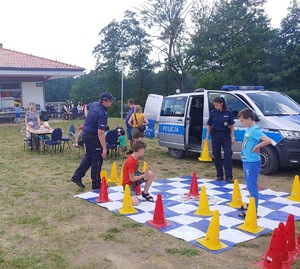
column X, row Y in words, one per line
column 275, row 103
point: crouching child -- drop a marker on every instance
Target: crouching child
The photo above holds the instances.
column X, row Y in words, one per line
column 133, row 176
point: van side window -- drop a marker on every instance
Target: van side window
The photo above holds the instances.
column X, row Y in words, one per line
column 232, row 103
column 173, row 106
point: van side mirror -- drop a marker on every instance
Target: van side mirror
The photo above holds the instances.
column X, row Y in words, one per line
column 256, row 118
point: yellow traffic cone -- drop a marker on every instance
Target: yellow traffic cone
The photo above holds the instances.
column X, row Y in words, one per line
column 205, row 154
column 144, row 167
column 127, row 207
column 250, row 223
column 295, row 194
column 120, row 183
column 103, row 174
column 113, row 174
column 212, row 237
column 203, row 209
column 236, row 200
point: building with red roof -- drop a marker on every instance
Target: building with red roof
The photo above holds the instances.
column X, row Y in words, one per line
column 22, row 77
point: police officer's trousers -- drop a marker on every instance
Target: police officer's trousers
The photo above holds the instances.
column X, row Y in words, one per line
column 92, row 158
column 222, row 141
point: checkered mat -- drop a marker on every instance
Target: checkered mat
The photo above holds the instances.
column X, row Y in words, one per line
column 179, row 209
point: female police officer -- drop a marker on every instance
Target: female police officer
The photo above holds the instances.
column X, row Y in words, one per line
column 220, row 125
column 94, row 139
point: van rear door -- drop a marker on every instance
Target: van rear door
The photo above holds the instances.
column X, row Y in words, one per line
column 172, row 121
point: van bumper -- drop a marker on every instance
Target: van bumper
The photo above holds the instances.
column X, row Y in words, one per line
column 288, row 152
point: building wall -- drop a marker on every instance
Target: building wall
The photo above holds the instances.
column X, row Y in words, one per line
column 33, row 92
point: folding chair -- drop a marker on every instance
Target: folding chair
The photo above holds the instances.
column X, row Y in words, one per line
column 70, row 137
column 75, row 113
column 55, row 140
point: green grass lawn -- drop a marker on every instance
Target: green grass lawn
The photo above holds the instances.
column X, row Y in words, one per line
column 43, row 226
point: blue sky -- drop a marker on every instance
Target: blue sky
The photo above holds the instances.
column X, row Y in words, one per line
column 67, row 30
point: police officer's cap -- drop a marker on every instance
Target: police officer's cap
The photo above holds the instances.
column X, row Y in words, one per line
column 107, row 96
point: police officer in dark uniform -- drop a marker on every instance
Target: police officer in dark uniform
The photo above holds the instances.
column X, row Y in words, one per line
column 220, row 126
column 94, row 139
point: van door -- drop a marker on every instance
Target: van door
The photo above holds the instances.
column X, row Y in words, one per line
column 172, row 125
column 233, row 103
column 195, row 122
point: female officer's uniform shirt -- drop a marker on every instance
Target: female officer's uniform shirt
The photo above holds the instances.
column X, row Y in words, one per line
column 96, row 118
column 220, row 120
column 252, row 137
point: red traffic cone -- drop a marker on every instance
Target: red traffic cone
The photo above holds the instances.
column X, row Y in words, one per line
column 103, row 195
column 273, row 258
column 194, row 190
column 290, row 235
column 298, row 244
column 159, row 215
column 138, row 190
column 287, row 258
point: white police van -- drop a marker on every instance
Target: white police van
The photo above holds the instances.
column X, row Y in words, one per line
column 182, row 122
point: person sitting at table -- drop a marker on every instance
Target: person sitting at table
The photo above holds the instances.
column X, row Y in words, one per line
column 80, row 109
column 30, row 127
column 44, row 127
column 68, row 110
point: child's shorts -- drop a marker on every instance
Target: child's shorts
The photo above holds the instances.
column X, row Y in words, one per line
column 123, row 149
column 136, row 183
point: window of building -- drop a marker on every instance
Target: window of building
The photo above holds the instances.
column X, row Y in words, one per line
column 11, row 94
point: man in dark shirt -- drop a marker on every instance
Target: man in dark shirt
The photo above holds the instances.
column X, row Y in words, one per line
column 94, row 139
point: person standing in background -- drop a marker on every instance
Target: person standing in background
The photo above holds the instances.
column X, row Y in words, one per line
column 33, row 116
column 129, row 128
column 220, row 126
column 94, row 139
column 122, row 141
column 137, row 120
column 18, row 114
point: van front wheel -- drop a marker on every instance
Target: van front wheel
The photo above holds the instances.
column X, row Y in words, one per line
column 177, row 153
column 269, row 160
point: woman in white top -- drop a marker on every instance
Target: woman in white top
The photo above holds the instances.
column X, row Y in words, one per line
column 80, row 109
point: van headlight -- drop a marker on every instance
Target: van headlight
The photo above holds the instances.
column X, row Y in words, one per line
column 292, row 135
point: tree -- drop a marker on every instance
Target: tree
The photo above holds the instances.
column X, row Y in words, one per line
column 58, row 90
column 233, row 45
column 167, row 21
column 290, row 45
column 138, row 63
column 126, row 36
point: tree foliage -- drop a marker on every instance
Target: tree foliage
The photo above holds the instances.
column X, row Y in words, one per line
column 198, row 44
column 58, row 89
column 289, row 36
column 167, row 21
